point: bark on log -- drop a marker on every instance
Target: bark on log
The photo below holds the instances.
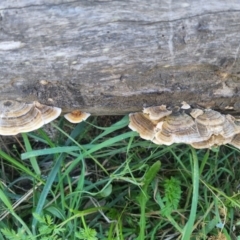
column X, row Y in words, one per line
column 114, row 57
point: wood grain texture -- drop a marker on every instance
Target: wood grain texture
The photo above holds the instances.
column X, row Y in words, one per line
column 114, row 57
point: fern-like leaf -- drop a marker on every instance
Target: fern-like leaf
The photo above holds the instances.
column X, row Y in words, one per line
column 87, row 234
column 9, row 233
column 172, row 189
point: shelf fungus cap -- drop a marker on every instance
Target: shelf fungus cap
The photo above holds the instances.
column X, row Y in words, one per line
column 48, row 113
column 18, row 117
column 178, row 128
column 229, row 127
column 213, row 141
column 236, row 141
column 76, row 116
column 185, row 105
column 196, row 112
column 236, row 123
column 213, row 120
column 157, row 112
column 141, row 123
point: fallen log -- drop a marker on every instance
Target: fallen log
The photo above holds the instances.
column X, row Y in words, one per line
column 114, row 57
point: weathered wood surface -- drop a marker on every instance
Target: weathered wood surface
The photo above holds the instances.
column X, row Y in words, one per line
column 114, row 57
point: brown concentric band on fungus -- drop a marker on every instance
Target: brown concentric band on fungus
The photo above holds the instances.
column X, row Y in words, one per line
column 213, row 120
column 213, row 141
column 141, row 123
column 48, row 113
column 178, row 128
column 157, row 112
column 236, row 141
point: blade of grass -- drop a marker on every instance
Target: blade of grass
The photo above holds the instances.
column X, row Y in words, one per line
column 203, row 162
column 33, row 160
column 8, row 204
column 48, row 151
column 81, row 147
column 111, row 141
column 46, row 138
column 187, row 231
column 78, row 214
column 76, row 132
column 143, row 197
column 46, row 190
column 226, row 235
column 92, row 148
column 118, row 125
column 77, row 198
column 17, row 164
column 37, row 138
column 179, row 160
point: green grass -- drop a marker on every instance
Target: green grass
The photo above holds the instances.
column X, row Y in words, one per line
column 103, row 182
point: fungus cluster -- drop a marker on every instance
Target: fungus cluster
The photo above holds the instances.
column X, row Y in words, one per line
column 199, row 128
column 17, row 117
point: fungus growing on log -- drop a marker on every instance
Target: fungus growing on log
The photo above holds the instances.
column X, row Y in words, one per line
column 18, row 117
column 213, row 141
column 181, row 127
column 48, row 113
column 212, row 120
column 142, row 124
column 200, row 128
column 157, row 112
column 236, row 141
column 76, row 116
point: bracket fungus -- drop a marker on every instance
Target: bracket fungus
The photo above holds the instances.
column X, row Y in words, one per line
column 18, row 117
column 157, row 112
column 48, row 113
column 76, row 116
column 236, row 141
column 180, row 127
column 142, row 124
column 213, row 141
column 201, row 128
column 195, row 112
column 185, row 105
column 212, row 120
